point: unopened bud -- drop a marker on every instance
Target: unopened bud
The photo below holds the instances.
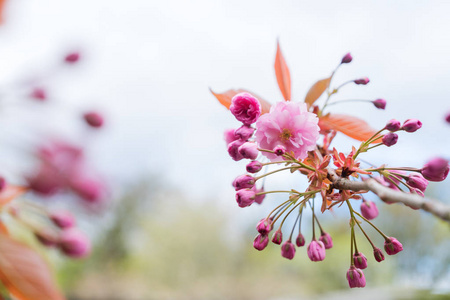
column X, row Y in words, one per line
column 300, row 240
column 360, row 260
column 72, row 58
column 260, row 242
column 362, row 81
column 279, row 150
column 245, row 197
column 379, row 103
column 326, row 239
column 390, row 139
column 393, row 125
column 378, row 254
column 347, row 58
column 392, row 246
column 355, row 278
column 277, row 237
column 288, row 250
column 369, row 210
column 254, row 166
column 249, row 150
column 244, row 182
column 411, row 125
column 74, row 243
column 436, row 169
column 93, row 119
column 244, row 132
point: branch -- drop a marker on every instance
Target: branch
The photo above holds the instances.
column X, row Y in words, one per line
column 386, row 194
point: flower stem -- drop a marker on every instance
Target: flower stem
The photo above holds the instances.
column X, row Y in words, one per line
column 270, row 173
column 375, row 227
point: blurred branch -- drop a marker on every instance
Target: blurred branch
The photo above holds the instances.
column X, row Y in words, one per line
column 386, row 194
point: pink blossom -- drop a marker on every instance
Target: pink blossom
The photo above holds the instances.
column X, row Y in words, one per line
column 245, row 108
column 2, row 183
column 355, row 278
column 243, row 182
column 416, row 180
column 378, row 254
column 229, row 136
column 288, row 250
column 326, row 239
column 411, row 125
column 260, row 242
column 347, row 58
column 233, row 150
column 362, row 81
column 244, row 132
column 74, row 243
column 360, row 260
column 248, row 150
column 290, row 125
column 436, row 169
column 264, row 226
column 379, row 103
column 390, row 139
column 245, row 197
column 392, row 246
column 93, row 119
column 369, row 210
column 316, row 251
column 72, row 58
column 254, row 166
column 259, row 198
column 38, row 94
column 300, row 240
column 62, row 219
column 393, row 125
column 277, row 237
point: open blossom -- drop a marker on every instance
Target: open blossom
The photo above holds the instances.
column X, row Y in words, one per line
column 245, row 108
column 290, row 125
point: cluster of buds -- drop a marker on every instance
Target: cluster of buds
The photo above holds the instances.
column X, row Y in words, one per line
column 287, row 136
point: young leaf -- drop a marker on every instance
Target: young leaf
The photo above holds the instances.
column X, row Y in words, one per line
column 283, row 75
column 316, row 91
column 350, row 126
column 24, row 273
column 225, row 99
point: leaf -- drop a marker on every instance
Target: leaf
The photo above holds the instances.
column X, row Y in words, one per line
column 24, row 273
column 10, row 193
column 316, row 91
column 283, row 75
column 225, row 99
column 350, row 126
column 2, row 5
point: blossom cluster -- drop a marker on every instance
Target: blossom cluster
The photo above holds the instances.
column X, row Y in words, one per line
column 287, row 135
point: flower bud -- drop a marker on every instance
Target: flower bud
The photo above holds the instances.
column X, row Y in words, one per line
column 62, row 219
column 74, row 243
column 264, row 226
column 244, row 182
column 392, row 246
column 288, row 250
column 325, row 238
column 259, row 198
column 89, row 190
column 390, row 139
column 279, row 150
column 244, row 132
column 248, row 150
column 93, row 119
column 411, row 125
column 447, row 118
column 369, row 210
column 362, row 81
column 245, row 108
column 393, row 125
column 316, row 251
column 254, row 166
column 378, row 254
column 360, row 260
column 436, row 169
column 229, row 136
column 245, row 197
column 347, row 58
column 379, row 103
column 72, row 58
column 47, row 237
column 416, row 180
column 417, row 192
column 2, row 183
column 260, row 242
column 38, row 94
column 355, row 278
column 277, row 237
column 233, row 150
column 300, row 240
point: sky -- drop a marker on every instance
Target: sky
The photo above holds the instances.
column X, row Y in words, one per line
column 148, row 66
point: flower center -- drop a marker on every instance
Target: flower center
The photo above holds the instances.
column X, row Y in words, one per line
column 285, row 135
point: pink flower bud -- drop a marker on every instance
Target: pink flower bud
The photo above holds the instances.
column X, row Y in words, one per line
column 279, row 150
column 355, row 278
column 260, row 242
column 417, row 192
column 378, row 254
column 393, row 125
column 300, row 240
column 72, row 58
column 416, row 180
column 288, row 250
column 244, row 132
column 87, row 189
column 369, row 210
column 244, row 182
column 362, row 81
column 63, row 219
column 74, row 243
column 436, row 169
column 245, row 108
column 2, row 183
column 233, row 150
column 316, row 251
column 259, row 198
column 248, row 150
column 447, row 118
column 47, row 237
column 245, row 197
column 379, row 103
column 93, row 119
column 390, row 139
column 360, row 260
column 264, row 226
column 229, row 136
column 38, row 94
column 411, row 125
column 392, row 246
column 347, row 58
column 326, row 239
column 277, row 237
column 254, row 166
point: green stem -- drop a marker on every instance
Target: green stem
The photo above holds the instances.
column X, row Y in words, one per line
column 365, row 234
column 271, row 192
column 375, row 227
column 270, row 173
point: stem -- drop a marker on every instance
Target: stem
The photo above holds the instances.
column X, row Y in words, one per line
column 352, row 236
column 365, row 234
column 376, row 228
column 270, row 192
column 377, row 145
column 270, row 173
column 354, row 239
column 348, row 100
column 293, row 227
column 284, row 203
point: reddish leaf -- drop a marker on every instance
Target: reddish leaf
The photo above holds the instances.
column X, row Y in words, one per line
column 283, row 75
column 2, row 5
column 10, row 193
column 316, row 91
column 225, row 99
column 24, row 273
column 348, row 125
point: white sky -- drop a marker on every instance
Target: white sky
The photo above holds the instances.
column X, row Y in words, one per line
column 148, row 66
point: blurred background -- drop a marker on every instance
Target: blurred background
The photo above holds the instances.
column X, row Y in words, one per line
column 171, row 228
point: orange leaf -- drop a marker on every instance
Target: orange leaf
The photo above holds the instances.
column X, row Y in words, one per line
column 225, row 99
column 316, row 91
column 350, row 126
column 10, row 193
column 24, row 273
column 2, row 5
column 283, row 75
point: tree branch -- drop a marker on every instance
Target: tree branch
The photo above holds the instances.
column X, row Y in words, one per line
column 386, row 194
